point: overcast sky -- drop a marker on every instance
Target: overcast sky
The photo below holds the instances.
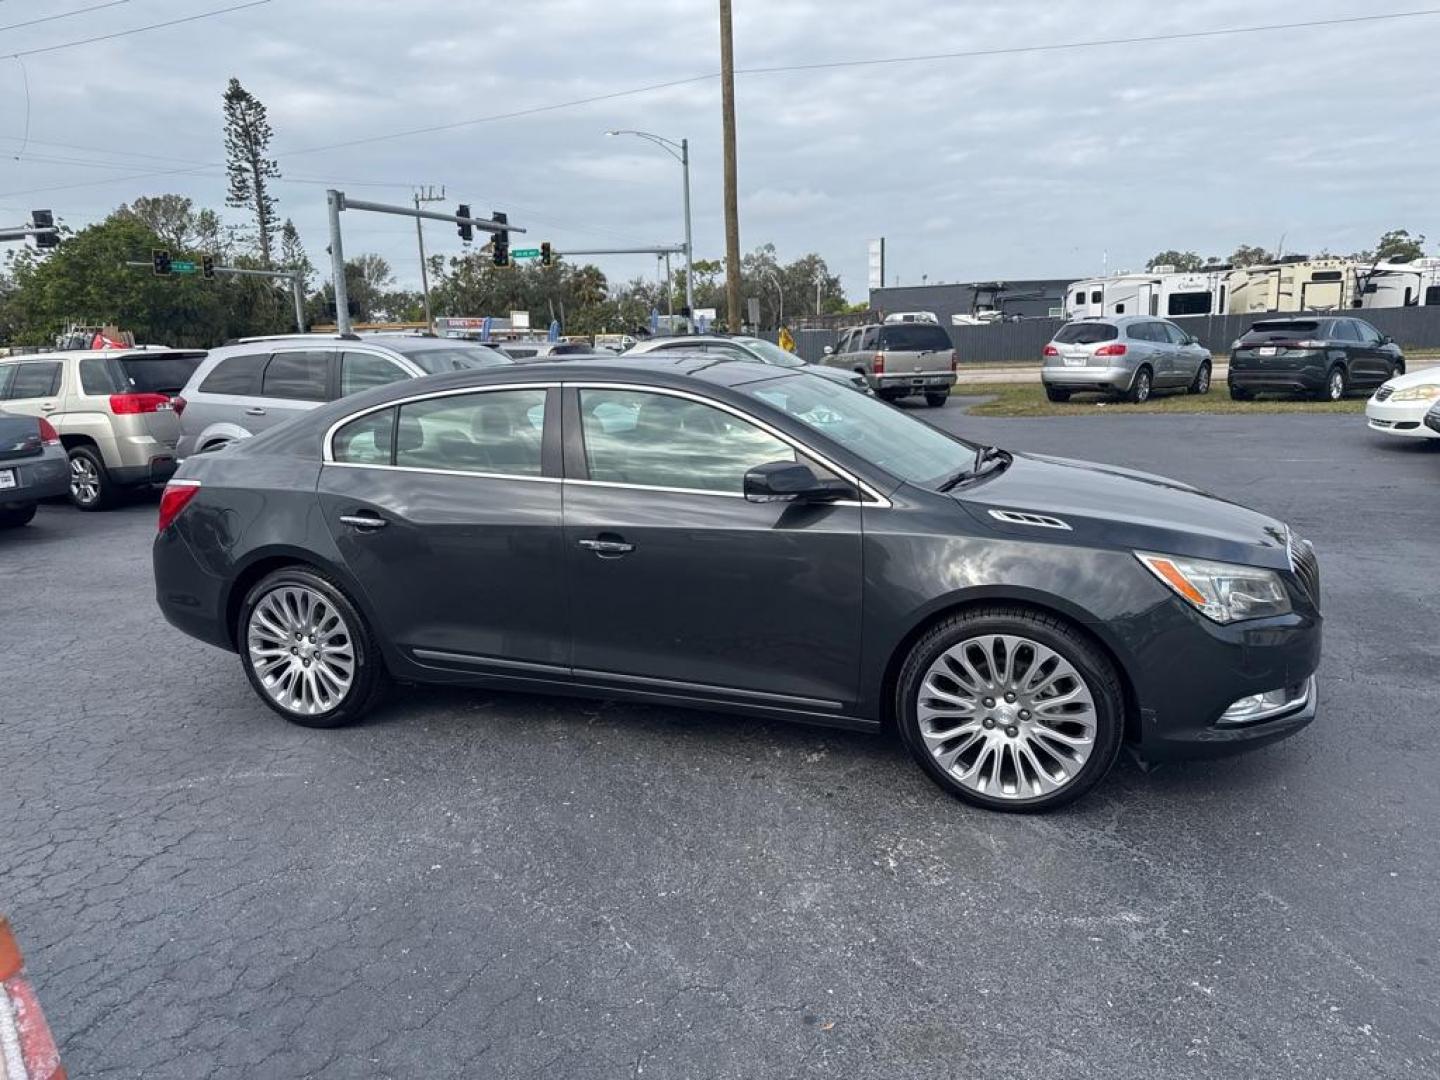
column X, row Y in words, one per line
column 1011, row 166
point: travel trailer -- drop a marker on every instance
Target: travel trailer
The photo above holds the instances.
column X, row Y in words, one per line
column 1298, row 284
column 1161, row 291
column 1395, row 284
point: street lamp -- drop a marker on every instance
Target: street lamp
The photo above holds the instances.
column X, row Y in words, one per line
column 680, row 152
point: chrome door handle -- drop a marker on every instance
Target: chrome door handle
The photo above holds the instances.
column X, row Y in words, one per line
column 48, row 406
column 363, row 521
column 255, row 410
column 607, row 547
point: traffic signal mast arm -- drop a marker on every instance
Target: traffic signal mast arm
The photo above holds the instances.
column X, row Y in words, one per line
column 484, row 224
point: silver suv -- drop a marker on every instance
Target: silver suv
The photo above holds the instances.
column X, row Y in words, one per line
column 898, row 359
column 113, row 410
column 742, row 347
column 1129, row 356
column 255, row 383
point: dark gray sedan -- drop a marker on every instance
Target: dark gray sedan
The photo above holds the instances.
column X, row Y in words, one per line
column 724, row 535
column 33, row 466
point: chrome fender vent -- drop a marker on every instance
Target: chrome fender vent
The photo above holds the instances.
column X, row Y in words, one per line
column 1020, row 517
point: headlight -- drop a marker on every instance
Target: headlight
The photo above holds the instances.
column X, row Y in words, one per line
column 1221, row 591
column 1424, row 392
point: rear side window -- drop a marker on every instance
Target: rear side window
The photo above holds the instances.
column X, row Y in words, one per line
column 157, row 374
column 367, row 441
column 362, row 371
column 96, row 378
column 235, row 375
column 1142, row 332
column 1086, row 333
column 34, row 381
column 914, row 337
column 1344, row 330
column 297, row 376
column 7, row 373
column 493, row 432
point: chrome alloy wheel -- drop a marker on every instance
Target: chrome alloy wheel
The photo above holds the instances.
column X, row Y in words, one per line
column 1007, row 717
column 1336, row 386
column 84, row 480
column 301, row 650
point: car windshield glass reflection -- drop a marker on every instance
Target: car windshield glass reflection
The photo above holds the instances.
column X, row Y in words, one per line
column 880, row 433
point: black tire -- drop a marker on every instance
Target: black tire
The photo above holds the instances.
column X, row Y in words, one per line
column 1201, row 383
column 891, row 396
column 1057, row 395
column 1140, row 387
column 1336, row 383
column 371, row 678
column 90, row 485
column 1084, row 656
column 1398, row 369
column 1239, row 394
column 10, row 519
column 936, row 401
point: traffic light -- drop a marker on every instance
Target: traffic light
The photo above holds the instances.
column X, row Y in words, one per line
column 44, row 219
column 465, row 229
column 207, row 265
column 160, row 262
column 500, row 244
column 545, row 256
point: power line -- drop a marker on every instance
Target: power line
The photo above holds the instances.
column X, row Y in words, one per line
column 64, row 15
column 138, row 29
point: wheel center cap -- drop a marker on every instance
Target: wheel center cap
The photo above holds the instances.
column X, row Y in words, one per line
column 1006, row 714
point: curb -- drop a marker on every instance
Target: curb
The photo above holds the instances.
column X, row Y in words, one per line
column 27, row 1049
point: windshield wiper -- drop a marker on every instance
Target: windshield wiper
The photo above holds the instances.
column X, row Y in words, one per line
column 988, row 459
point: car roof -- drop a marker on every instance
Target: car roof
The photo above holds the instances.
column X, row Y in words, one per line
column 85, row 354
column 1120, row 320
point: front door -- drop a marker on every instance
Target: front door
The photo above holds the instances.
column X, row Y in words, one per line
column 683, row 586
column 446, row 510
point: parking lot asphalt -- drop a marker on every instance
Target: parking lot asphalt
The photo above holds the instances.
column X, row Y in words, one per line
column 478, row 884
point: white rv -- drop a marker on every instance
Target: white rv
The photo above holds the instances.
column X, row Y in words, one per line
column 1392, row 284
column 1299, row 285
column 1161, row 292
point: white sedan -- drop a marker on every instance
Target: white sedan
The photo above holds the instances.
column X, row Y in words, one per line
column 1399, row 407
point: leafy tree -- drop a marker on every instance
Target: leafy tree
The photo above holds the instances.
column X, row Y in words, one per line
column 170, row 217
column 248, row 165
column 1183, row 261
column 1398, row 245
column 1248, row 255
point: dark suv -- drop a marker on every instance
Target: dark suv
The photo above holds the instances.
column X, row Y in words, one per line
column 1321, row 355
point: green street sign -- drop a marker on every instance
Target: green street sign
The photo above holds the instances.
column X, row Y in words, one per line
column 183, row 266
column 524, row 253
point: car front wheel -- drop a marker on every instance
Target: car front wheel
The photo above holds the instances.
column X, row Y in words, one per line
column 308, row 652
column 1010, row 709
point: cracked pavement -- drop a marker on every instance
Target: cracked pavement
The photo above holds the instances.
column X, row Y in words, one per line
column 480, row 884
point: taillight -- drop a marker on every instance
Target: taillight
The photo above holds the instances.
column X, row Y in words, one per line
column 877, row 365
column 1050, row 350
column 178, row 403
column 134, row 404
column 1111, row 350
column 48, row 435
column 1309, row 345
column 176, row 497
column 954, row 361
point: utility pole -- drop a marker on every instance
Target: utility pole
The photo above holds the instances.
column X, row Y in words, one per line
column 426, row 196
column 732, row 200
column 669, row 289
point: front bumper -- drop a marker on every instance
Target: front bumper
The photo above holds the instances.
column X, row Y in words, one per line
column 36, row 478
column 1088, row 378
column 1402, row 418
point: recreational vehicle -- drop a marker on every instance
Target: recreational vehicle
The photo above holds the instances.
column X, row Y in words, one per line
column 1394, row 284
column 1161, row 292
column 1300, row 284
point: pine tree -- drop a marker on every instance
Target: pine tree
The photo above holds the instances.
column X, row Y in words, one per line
column 292, row 252
column 247, row 144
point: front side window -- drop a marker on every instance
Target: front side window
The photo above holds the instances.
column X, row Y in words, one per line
column 498, row 432
column 363, row 371
column 35, row 381
column 235, row 375
column 1177, row 336
column 657, row 440
column 297, row 376
column 1368, row 334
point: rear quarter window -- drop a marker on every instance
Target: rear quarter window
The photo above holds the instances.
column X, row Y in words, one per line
column 235, row 375
column 914, row 337
column 1086, row 333
column 297, row 376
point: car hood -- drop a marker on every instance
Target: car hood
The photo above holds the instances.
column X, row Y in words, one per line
column 849, row 378
column 1107, row 506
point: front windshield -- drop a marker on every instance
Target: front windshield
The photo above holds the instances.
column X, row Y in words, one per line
column 433, row 358
column 881, row 434
column 770, row 352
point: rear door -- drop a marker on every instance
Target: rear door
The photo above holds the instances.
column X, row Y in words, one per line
column 163, row 374
column 294, row 382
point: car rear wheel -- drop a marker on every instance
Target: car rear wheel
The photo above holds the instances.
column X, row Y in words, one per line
column 1239, row 394
column 1010, row 709
column 90, row 485
column 23, row 515
column 308, row 652
column 1139, row 392
column 1201, row 383
column 1056, row 394
column 1335, row 385
column 935, row 401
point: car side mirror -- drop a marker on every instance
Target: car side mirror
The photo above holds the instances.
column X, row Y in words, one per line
column 829, row 350
column 1386, row 339
column 786, row 481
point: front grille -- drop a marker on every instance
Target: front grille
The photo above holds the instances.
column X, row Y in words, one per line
column 1384, row 393
column 1306, row 566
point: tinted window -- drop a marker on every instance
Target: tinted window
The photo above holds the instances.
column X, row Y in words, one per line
column 574, row 349
column 495, row 432
column 96, row 378
column 1097, row 297
column 235, row 375
column 1343, row 330
column 361, row 371
column 655, row 440
column 520, row 352
column 434, row 357
column 367, row 441
column 35, row 381
column 1326, row 275
column 1189, row 303
column 1177, row 336
column 914, row 337
column 158, row 374
column 1432, row 295
column 893, row 440
column 7, row 373
column 1079, row 298
column 1280, row 328
column 1086, row 333
column 298, row 376
column 1144, row 331
column 1368, row 334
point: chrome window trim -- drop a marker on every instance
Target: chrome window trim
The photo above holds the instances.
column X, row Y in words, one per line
column 795, row 444
column 444, row 472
